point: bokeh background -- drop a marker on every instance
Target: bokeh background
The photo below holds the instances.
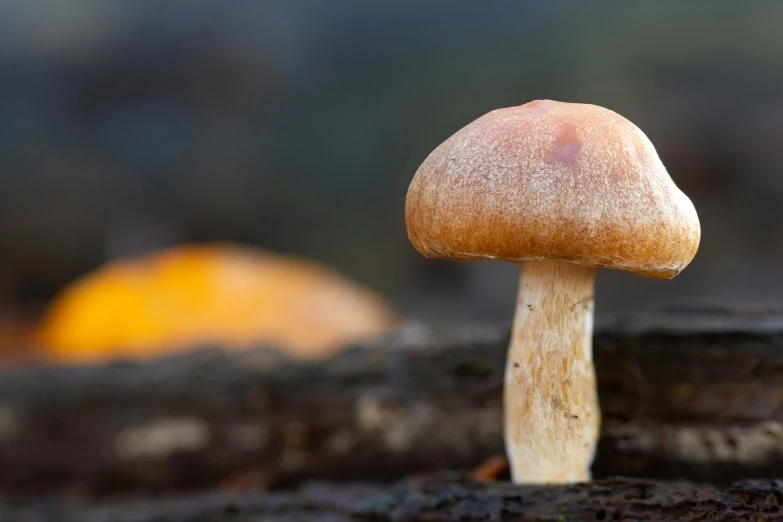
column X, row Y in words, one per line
column 297, row 125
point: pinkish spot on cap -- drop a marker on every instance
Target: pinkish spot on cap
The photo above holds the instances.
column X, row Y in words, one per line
column 567, row 145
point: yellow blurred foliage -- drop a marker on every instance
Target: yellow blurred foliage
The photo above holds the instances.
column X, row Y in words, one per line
column 194, row 295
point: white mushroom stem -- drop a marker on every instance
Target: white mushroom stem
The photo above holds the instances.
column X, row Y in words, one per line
column 552, row 414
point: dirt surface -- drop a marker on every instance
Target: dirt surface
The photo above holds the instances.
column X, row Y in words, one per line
column 436, row 500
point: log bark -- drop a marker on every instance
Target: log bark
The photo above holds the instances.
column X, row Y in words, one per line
column 443, row 500
column 693, row 394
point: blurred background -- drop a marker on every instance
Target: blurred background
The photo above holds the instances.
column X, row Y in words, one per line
column 297, row 125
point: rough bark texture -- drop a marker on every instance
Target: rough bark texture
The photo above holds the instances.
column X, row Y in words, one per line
column 442, row 500
column 684, row 395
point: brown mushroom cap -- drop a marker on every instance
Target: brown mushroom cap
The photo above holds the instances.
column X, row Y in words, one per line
column 552, row 180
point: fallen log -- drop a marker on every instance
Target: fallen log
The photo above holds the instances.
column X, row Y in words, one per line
column 687, row 394
column 442, row 500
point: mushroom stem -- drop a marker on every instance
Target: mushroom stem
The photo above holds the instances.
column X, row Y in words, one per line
column 552, row 414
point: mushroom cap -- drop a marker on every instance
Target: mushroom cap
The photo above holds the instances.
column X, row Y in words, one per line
column 552, row 180
column 195, row 294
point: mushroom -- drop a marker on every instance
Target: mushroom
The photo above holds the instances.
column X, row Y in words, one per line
column 194, row 294
column 561, row 189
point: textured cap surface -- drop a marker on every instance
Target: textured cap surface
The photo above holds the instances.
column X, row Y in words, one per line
column 552, row 180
